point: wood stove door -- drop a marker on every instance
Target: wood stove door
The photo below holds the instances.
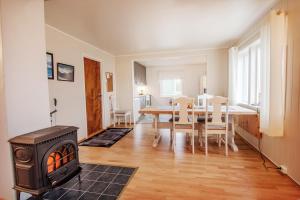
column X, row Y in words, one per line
column 93, row 96
column 60, row 161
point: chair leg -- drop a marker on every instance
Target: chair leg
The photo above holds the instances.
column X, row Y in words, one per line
column 201, row 141
column 114, row 120
column 174, row 140
column 130, row 121
column 187, row 137
column 226, row 144
column 171, row 136
column 125, row 120
column 219, row 140
column 193, row 143
column 200, row 138
column 206, row 145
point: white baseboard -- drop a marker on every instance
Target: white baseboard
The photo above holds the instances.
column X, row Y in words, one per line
column 256, row 147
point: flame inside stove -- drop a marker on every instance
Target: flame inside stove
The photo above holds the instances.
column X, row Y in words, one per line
column 60, row 157
column 54, row 161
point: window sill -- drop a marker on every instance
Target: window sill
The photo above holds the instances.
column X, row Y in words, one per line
column 252, row 107
column 166, row 97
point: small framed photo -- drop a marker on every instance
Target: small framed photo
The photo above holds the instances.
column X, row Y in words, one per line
column 65, row 72
column 50, row 65
column 109, row 81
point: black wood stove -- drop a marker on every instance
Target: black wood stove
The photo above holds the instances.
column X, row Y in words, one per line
column 45, row 159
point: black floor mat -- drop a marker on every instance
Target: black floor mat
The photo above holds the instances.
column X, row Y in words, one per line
column 97, row 182
column 106, row 138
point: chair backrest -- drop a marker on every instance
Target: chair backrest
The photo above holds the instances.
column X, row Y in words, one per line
column 201, row 99
column 214, row 109
column 112, row 104
column 185, row 105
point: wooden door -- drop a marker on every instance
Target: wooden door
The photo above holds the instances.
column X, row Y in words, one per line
column 93, row 96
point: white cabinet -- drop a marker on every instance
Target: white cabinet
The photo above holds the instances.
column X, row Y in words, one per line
column 136, row 108
column 140, row 102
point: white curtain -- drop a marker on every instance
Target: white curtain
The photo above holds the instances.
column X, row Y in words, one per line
column 273, row 80
column 265, row 36
column 278, row 73
column 232, row 79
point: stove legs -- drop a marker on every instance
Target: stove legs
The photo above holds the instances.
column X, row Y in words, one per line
column 18, row 193
column 35, row 197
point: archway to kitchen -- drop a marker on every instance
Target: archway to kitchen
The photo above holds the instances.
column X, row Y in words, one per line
column 157, row 81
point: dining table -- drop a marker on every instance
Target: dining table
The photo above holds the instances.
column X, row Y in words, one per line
column 156, row 111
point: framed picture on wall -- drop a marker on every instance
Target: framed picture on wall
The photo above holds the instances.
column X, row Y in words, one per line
column 65, row 72
column 50, row 65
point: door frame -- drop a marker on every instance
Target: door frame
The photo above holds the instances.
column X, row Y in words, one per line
column 102, row 93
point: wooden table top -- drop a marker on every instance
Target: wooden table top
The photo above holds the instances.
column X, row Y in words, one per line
column 233, row 110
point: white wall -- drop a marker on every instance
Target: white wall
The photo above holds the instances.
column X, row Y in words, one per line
column 26, row 85
column 217, row 72
column 71, row 95
column 25, row 80
column 6, row 167
column 285, row 150
column 190, row 75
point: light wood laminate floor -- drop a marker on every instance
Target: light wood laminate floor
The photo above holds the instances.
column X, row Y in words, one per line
column 165, row 175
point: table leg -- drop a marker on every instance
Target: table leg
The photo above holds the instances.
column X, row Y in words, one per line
column 231, row 141
column 157, row 134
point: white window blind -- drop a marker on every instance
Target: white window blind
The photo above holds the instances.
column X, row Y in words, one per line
column 170, row 87
column 248, row 74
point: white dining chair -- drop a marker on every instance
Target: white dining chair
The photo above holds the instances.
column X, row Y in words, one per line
column 184, row 121
column 117, row 114
column 216, row 123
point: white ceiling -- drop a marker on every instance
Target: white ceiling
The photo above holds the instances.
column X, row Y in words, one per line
column 174, row 61
column 138, row 26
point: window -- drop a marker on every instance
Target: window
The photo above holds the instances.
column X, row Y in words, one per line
column 248, row 71
column 170, row 87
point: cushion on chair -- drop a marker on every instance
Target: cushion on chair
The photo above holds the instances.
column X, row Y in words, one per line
column 229, row 119
column 176, row 119
column 201, row 119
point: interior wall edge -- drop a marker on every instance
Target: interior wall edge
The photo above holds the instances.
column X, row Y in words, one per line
column 76, row 38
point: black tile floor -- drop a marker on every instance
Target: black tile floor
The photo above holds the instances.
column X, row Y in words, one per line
column 99, row 182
